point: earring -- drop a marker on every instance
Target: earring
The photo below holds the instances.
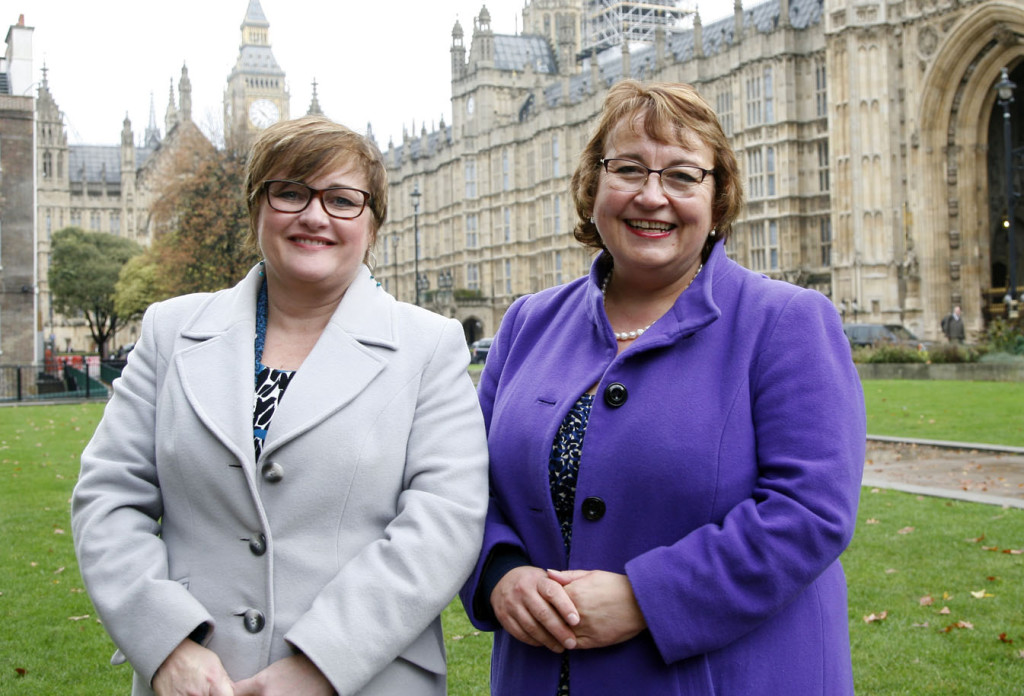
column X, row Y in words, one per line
column 712, row 233
column 591, row 219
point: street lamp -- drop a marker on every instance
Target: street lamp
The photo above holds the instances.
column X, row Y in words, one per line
column 422, row 285
column 416, row 238
column 394, row 262
column 1004, row 88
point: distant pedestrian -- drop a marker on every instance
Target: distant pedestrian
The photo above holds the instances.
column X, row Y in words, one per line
column 953, row 326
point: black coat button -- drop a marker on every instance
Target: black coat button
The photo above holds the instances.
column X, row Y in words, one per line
column 593, row 509
column 254, row 620
column 258, row 544
column 615, row 394
column 272, row 472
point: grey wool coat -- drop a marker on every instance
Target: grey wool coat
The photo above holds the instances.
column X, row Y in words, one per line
column 344, row 541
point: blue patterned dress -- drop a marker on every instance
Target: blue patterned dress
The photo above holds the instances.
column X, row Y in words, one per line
column 270, row 382
column 563, row 471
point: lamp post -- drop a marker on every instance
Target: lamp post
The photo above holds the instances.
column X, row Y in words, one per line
column 422, row 285
column 416, row 238
column 394, row 262
column 1004, row 88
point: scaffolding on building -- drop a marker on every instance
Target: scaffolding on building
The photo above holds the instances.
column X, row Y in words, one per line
column 610, row 23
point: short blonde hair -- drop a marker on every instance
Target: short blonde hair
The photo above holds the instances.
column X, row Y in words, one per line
column 667, row 109
column 305, row 147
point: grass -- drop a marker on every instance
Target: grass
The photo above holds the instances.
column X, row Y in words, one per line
column 906, row 548
column 991, row 412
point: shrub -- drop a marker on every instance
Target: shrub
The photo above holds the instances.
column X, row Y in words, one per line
column 1006, row 336
column 952, row 353
column 889, row 353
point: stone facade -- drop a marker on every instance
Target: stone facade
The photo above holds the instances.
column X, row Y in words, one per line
column 17, row 244
column 866, row 132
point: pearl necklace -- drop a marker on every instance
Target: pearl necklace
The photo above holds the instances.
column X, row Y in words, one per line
column 636, row 333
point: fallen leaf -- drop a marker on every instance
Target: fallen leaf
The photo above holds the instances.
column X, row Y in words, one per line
column 975, row 540
column 1004, row 639
column 59, row 571
column 946, row 595
column 905, row 530
column 958, row 625
column 920, row 625
column 981, row 594
column 871, row 521
column 1014, row 552
column 58, row 530
column 78, row 618
column 944, row 610
column 890, row 571
column 22, row 671
column 926, row 601
column 871, row 618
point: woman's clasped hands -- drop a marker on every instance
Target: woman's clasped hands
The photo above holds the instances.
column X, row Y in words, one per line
column 567, row 609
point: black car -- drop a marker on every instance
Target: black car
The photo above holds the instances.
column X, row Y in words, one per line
column 870, row 334
column 478, row 350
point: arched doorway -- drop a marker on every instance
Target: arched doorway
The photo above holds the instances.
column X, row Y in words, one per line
column 473, row 327
column 1006, row 160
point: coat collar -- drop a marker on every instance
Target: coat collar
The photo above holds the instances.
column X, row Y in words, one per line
column 694, row 310
column 217, row 372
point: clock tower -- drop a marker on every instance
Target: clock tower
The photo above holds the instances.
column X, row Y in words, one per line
column 256, row 94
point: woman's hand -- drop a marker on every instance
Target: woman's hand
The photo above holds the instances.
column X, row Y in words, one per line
column 535, row 609
column 291, row 675
column 194, row 670
column 608, row 609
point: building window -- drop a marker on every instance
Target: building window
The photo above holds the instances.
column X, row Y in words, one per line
column 115, row 222
column 506, row 217
column 764, row 246
column 470, row 171
column 755, row 174
column 47, row 165
column 555, row 167
column 769, row 102
column 531, row 166
column 558, row 215
column 723, row 104
column 94, row 221
column 754, row 113
column 76, row 218
column 769, row 156
column 508, row 276
column 820, row 91
column 471, row 232
column 473, row 276
column 823, row 180
column 506, row 171
column 558, row 268
column 825, row 227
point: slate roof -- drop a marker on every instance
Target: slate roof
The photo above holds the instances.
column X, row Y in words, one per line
column 516, row 52
column 717, row 37
column 259, row 59
column 91, row 163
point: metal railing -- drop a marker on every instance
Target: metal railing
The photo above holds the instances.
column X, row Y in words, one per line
column 29, row 383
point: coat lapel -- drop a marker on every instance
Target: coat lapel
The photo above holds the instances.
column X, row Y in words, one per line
column 216, row 373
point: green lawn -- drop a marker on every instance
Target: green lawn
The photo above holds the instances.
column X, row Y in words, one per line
column 906, row 548
column 991, row 412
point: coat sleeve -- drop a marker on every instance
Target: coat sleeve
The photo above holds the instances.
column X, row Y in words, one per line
column 115, row 518
column 497, row 531
column 428, row 548
column 723, row 580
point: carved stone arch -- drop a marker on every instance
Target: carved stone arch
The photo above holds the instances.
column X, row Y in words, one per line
column 952, row 229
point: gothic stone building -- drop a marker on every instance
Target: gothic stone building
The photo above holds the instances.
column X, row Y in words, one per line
column 867, row 131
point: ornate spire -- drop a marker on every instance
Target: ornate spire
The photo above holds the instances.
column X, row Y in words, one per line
column 314, row 104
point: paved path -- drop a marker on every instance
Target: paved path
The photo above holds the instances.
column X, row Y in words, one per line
column 965, row 471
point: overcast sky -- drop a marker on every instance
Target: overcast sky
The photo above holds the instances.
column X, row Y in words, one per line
column 383, row 62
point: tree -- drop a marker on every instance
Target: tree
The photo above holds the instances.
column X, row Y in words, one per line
column 136, row 288
column 204, row 221
column 84, row 268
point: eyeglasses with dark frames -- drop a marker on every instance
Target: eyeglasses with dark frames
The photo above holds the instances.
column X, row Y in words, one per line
column 342, row 202
column 679, row 181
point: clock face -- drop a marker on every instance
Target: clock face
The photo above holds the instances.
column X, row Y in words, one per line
column 470, row 105
column 263, row 113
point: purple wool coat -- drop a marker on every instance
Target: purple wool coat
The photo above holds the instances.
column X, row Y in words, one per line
column 720, row 471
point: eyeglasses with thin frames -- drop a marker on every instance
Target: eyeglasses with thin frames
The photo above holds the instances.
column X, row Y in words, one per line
column 678, row 181
column 341, row 202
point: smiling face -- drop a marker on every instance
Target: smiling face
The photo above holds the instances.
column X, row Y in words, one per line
column 654, row 238
column 311, row 250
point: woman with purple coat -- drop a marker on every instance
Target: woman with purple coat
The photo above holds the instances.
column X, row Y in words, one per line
column 676, row 443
